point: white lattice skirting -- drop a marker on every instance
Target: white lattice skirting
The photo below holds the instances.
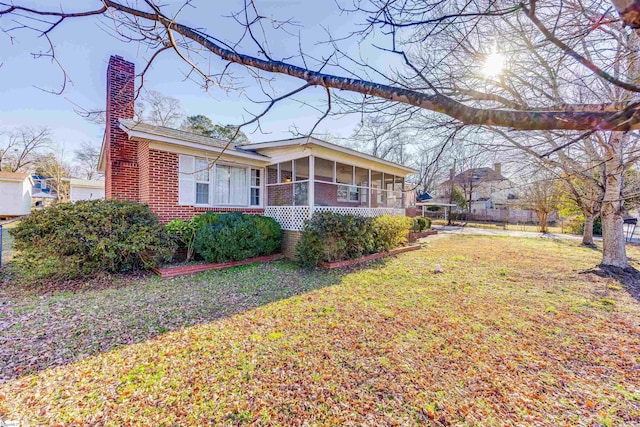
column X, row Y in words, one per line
column 292, row 217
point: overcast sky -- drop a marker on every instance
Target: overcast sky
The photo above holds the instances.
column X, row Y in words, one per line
column 83, row 46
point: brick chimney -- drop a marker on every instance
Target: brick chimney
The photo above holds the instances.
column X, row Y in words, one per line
column 498, row 168
column 121, row 154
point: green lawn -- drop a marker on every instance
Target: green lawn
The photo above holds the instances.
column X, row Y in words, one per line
column 512, row 333
column 7, row 241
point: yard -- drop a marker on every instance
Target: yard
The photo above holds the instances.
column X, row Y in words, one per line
column 7, row 243
column 511, row 333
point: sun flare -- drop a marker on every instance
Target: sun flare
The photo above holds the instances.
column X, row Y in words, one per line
column 494, row 65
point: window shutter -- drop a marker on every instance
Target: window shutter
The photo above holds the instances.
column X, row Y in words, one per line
column 186, row 181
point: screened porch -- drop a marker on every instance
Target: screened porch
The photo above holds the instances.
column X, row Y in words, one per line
column 295, row 189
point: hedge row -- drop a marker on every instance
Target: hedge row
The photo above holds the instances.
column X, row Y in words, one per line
column 226, row 237
column 329, row 236
column 82, row 239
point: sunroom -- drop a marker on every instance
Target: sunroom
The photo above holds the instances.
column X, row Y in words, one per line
column 312, row 175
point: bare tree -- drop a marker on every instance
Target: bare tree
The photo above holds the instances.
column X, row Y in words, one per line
column 543, row 197
column 203, row 125
column 440, row 84
column 87, row 158
column 20, row 147
column 159, row 109
column 56, row 169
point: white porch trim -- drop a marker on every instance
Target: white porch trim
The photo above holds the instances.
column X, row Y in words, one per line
column 292, row 218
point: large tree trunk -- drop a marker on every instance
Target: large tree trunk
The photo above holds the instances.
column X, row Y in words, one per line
column 613, row 244
column 587, row 234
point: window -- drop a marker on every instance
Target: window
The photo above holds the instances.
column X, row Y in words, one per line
column 323, row 170
column 231, row 186
column 186, row 182
column 399, row 183
column 286, row 172
column 205, row 184
column 344, row 173
column 272, row 174
column 202, row 182
column 302, row 169
column 255, row 187
column 377, row 195
column 362, row 177
column 301, row 194
column 348, row 193
column 388, row 182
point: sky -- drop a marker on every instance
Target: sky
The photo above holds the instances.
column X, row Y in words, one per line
column 83, row 47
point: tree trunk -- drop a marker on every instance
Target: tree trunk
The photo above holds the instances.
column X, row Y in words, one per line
column 587, row 234
column 613, row 244
column 543, row 221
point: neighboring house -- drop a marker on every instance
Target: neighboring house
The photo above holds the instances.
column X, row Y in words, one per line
column 15, row 194
column 41, row 184
column 181, row 174
column 84, row 189
column 483, row 188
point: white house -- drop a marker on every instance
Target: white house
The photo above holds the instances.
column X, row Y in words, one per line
column 84, row 189
column 15, row 194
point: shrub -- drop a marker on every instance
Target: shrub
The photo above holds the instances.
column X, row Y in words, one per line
column 234, row 237
column 329, row 236
column 391, row 231
column 183, row 234
column 81, row 239
column 270, row 232
column 421, row 224
column 576, row 225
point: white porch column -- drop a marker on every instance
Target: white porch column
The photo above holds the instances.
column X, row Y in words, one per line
column 369, row 189
column 312, row 185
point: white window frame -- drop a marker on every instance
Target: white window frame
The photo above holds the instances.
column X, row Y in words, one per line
column 189, row 163
column 248, row 195
column 196, row 182
column 351, row 189
column 258, row 187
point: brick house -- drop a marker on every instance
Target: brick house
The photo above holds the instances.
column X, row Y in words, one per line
column 181, row 174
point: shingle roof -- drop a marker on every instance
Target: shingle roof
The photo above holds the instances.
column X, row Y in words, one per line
column 476, row 175
column 172, row 133
column 14, row 175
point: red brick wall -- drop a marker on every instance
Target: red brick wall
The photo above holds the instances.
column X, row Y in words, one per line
column 327, row 195
column 122, row 174
column 280, row 195
column 143, row 171
column 289, row 242
column 133, row 171
column 163, row 190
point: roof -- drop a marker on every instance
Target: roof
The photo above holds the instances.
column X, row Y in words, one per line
column 85, row 182
column 131, row 125
column 14, row 176
column 476, row 175
column 424, row 196
column 315, row 141
column 184, row 138
column 179, row 137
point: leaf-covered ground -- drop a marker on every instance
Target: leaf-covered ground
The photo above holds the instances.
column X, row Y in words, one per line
column 510, row 334
column 58, row 323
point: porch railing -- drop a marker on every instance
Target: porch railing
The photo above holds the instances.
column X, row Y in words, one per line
column 292, row 217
